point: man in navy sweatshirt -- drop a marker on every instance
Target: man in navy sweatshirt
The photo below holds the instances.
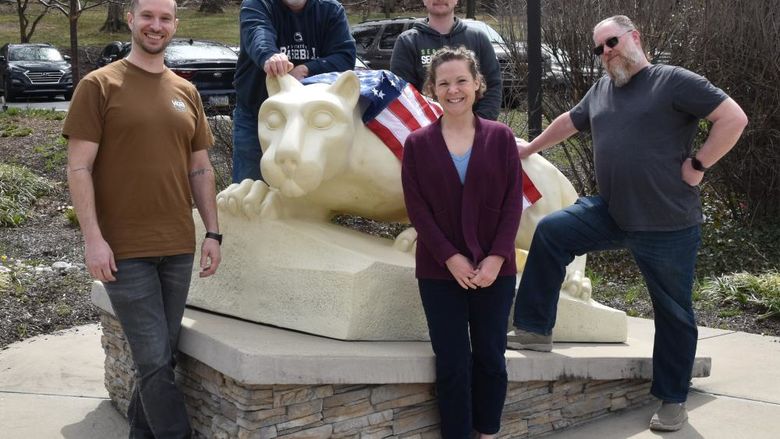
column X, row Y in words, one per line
column 300, row 37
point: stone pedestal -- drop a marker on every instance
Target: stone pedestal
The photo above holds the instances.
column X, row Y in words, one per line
column 245, row 380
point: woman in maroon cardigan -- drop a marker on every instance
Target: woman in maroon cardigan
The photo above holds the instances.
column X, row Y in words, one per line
column 462, row 186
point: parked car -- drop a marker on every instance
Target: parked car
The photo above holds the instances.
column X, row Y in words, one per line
column 375, row 40
column 34, row 70
column 209, row 65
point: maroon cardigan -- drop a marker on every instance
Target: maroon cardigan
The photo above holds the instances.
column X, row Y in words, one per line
column 477, row 218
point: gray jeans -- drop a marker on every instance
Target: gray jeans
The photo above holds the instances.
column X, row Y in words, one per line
column 148, row 298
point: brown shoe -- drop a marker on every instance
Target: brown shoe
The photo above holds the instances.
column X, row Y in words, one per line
column 520, row 339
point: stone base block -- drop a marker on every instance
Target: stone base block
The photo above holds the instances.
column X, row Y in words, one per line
column 326, row 280
column 589, row 322
column 317, row 278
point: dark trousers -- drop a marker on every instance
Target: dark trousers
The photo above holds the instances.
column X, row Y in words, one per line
column 468, row 335
column 246, row 146
column 148, row 298
column 666, row 259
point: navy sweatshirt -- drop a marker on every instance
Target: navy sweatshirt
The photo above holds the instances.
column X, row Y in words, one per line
column 317, row 36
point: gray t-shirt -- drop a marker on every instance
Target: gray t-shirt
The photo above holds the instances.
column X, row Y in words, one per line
column 642, row 133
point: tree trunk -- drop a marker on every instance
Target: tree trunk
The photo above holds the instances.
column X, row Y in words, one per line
column 22, row 21
column 73, row 19
column 115, row 20
column 471, row 8
column 212, row 7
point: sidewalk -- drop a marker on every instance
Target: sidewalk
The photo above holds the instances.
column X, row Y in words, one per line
column 52, row 387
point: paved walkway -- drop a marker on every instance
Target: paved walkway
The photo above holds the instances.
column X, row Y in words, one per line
column 52, row 387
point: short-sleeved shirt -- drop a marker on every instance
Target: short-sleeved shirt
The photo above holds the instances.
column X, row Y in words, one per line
column 146, row 125
column 642, row 132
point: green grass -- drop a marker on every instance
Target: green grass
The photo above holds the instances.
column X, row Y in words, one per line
column 55, row 153
column 54, row 27
column 19, row 188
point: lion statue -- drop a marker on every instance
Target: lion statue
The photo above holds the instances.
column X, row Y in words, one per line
column 319, row 160
column 285, row 262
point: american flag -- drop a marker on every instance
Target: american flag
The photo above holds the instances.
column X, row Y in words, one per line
column 393, row 108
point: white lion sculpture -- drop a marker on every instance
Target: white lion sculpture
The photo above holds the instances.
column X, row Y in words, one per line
column 319, row 160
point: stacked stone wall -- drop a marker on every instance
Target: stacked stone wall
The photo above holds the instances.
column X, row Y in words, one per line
column 221, row 407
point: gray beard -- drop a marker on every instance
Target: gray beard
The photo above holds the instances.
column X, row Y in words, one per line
column 620, row 69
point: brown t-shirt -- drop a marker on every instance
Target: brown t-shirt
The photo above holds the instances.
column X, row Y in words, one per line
column 147, row 125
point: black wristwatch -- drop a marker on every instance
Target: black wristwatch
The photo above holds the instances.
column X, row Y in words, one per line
column 696, row 164
column 215, row 236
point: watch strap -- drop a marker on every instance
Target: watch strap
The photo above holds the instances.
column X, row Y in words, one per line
column 697, row 165
column 215, row 236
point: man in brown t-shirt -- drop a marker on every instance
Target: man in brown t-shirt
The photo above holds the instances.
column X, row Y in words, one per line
column 137, row 158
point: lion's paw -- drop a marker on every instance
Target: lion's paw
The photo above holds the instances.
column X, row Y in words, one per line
column 577, row 285
column 406, row 240
column 250, row 198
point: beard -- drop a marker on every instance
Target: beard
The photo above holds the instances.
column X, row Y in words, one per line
column 619, row 68
column 138, row 41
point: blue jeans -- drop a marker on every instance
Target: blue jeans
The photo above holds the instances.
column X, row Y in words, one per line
column 148, row 298
column 666, row 259
column 468, row 335
column 246, row 146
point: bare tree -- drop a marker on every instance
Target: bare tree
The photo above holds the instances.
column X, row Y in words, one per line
column 73, row 9
column 26, row 29
column 115, row 20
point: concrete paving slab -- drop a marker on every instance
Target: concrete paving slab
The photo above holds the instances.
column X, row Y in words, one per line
column 26, row 416
column 68, row 362
column 709, row 417
column 747, row 366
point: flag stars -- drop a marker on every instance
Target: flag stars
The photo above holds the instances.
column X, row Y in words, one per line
column 378, row 93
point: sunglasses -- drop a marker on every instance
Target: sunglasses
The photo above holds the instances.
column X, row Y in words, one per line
column 611, row 43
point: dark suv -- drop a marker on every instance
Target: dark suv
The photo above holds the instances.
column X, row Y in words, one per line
column 34, row 70
column 375, row 40
column 207, row 64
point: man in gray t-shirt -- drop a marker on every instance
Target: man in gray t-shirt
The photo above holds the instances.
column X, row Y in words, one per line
column 643, row 119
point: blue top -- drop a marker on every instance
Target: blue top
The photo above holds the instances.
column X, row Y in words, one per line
column 317, row 36
column 461, row 163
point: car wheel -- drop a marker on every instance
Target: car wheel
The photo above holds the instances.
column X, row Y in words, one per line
column 9, row 95
column 68, row 95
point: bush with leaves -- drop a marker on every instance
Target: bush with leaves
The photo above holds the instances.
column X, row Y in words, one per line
column 745, row 290
column 19, row 188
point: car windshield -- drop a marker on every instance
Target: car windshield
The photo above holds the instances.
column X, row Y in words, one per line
column 34, row 53
column 494, row 36
column 176, row 52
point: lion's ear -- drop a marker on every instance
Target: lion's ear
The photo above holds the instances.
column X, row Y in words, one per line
column 277, row 84
column 347, row 87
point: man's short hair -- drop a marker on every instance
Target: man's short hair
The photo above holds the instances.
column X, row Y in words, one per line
column 622, row 21
column 134, row 5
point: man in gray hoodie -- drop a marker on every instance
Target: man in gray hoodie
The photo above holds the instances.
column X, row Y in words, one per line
column 415, row 47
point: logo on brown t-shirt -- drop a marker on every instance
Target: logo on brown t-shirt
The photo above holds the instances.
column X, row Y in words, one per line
column 178, row 104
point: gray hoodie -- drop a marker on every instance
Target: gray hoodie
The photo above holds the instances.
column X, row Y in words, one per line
column 415, row 47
